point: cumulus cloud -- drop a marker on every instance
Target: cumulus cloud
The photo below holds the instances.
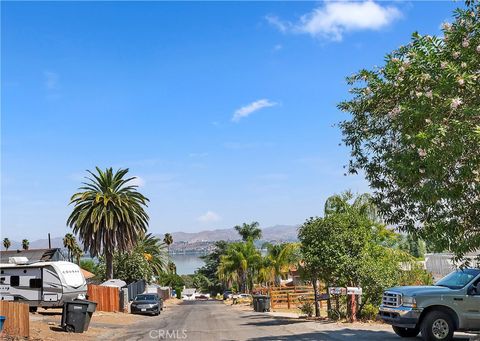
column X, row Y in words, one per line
column 249, row 109
column 209, row 217
column 333, row 19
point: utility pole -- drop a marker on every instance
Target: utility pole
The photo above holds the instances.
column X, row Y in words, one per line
column 49, row 241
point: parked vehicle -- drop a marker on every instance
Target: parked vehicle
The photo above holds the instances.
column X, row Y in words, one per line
column 41, row 284
column 199, row 296
column 149, row 304
column 188, row 294
column 452, row 304
column 227, row 294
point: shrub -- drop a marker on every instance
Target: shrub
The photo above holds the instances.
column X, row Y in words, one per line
column 178, row 292
column 369, row 312
column 306, row 307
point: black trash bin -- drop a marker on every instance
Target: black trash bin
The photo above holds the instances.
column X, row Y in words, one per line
column 254, row 302
column 261, row 303
column 76, row 315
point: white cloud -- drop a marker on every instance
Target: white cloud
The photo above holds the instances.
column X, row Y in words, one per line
column 251, row 108
column 137, row 181
column 51, row 80
column 333, row 19
column 209, row 217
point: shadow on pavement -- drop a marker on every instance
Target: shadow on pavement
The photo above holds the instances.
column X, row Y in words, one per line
column 272, row 322
column 343, row 334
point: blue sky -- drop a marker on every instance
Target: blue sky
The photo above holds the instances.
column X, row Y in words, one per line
column 223, row 110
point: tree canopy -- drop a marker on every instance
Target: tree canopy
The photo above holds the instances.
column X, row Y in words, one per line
column 415, row 133
column 109, row 214
column 249, row 231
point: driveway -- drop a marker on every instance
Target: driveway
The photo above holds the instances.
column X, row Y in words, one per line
column 212, row 320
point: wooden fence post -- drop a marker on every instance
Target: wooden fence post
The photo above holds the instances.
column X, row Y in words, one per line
column 288, row 300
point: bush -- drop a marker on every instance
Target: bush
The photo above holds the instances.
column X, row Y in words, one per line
column 178, row 291
column 369, row 312
column 306, row 307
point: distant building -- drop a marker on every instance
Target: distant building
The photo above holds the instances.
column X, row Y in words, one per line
column 34, row 255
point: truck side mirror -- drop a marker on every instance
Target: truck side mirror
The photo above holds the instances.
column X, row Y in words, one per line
column 474, row 289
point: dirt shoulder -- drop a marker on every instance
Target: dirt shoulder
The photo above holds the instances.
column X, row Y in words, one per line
column 45, row 324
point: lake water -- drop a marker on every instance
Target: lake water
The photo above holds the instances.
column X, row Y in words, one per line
column 187, row 263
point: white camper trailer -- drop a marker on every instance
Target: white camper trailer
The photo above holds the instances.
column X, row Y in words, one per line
column 41, row 284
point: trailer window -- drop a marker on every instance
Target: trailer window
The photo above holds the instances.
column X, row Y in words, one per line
column 35, row 282
column 14, row 281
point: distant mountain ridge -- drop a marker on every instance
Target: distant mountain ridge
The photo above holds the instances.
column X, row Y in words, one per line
column 279, row 233
column 273, row 233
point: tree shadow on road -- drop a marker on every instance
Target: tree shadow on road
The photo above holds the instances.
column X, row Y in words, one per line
column 342, row 334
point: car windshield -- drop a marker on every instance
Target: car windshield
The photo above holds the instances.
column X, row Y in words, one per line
column 458, row 279
column 145, row 298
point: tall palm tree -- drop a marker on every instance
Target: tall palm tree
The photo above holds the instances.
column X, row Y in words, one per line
column 77, row 253
column 108, row 215
column 240, row 263
column 279, row 258
column 69, row 242
column 25, row 244
column 6, row 243
column 168, row 239
column 154, row 251
column 249, row 231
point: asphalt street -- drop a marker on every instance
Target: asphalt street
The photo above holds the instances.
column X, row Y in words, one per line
column 212, row 320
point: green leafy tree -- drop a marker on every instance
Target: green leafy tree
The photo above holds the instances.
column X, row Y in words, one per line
column 25, row 244
column 414, row 246
column 171, row 280
column 415, row 133
column 108, row 215
column 132, row 267
column 168, row 239
column 348, row 247
column 89, row 265
column 209, row 270
column 249, row 231
column 6, row 243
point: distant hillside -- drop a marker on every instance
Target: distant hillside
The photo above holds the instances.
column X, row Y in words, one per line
column 273, row 233
column 278, row 233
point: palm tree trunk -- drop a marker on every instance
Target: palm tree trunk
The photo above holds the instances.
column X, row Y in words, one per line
column 109, row 264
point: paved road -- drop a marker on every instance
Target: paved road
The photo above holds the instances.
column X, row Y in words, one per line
column 212, row 320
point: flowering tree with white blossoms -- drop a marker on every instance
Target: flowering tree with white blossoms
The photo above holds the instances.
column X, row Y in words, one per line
column 415, row 133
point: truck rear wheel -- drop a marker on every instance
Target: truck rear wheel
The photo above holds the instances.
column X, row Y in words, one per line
column 437, row 326
column 406, row 332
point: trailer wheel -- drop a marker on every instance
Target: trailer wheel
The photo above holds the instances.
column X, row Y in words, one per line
column 32, row 309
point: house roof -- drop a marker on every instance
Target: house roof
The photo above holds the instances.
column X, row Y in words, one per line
column 33, row 255
column 87, row 274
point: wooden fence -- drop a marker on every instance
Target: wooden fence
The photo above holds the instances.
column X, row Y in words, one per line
column 17, row 321
column 107, row 298
column 290, row 297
